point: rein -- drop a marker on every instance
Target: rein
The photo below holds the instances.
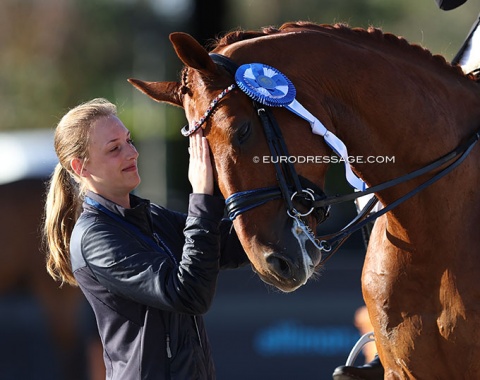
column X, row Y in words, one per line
column 290, row 184
column 335, row 240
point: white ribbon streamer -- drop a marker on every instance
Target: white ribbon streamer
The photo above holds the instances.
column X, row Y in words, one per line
column 332, row 141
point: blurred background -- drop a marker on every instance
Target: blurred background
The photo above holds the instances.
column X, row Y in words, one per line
column 55, row 54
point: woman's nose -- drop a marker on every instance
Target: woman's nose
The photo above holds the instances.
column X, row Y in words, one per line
column 132, row 151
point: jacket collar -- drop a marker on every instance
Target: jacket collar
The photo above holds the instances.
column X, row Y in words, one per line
column 139, row 214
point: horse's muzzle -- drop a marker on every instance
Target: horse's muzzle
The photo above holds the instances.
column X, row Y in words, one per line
column 289, row 272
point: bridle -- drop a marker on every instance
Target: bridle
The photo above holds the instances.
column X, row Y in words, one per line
column 294, row 188
column 291, row 187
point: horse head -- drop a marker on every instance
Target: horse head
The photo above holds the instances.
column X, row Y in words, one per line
column 280, row 248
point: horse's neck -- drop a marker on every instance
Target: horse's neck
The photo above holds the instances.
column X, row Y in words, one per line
column 412, row 117
column 445, row 118
column 416, row 122
column 381, row 99
column 383, row 87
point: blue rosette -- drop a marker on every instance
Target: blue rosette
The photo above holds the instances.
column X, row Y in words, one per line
column 265, row 84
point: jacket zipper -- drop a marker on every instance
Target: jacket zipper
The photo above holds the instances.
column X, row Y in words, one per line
column 169, row 351
column 161, row 244
column 198, row 331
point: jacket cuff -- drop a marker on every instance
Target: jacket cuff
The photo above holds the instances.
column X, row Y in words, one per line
column 206, row 206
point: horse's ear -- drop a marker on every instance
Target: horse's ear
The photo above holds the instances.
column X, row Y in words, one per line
column 192, row 54
column 166, row 92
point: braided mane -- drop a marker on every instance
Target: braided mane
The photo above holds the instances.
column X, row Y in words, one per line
column 339, row 29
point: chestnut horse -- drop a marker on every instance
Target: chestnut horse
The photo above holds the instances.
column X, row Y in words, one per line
column 381, row 97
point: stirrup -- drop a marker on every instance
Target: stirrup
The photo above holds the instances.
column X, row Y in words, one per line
column 366, row 338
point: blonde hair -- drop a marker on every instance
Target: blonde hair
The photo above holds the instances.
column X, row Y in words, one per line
column 65, row 190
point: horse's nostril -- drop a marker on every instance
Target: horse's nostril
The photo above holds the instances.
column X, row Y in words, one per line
column 279, row 265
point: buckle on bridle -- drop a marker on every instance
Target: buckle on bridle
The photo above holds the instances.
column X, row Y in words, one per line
column 311, row 194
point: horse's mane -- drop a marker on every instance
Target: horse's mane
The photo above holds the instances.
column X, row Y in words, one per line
column 339, row 29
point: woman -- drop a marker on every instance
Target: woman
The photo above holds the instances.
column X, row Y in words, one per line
column 148, row 273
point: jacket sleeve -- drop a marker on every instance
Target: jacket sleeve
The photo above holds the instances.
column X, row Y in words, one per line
column 128, row 268
column 232, row 254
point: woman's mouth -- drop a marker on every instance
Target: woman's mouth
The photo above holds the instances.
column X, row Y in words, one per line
column 130, row 168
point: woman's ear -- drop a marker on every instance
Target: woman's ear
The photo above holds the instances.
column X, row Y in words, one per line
column 77, row 166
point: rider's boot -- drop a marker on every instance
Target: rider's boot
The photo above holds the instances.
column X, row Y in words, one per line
column 370, row 371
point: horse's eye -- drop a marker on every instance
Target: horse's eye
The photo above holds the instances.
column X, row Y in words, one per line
column 244, row 132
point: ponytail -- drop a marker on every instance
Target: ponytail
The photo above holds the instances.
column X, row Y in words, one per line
column 61, row 212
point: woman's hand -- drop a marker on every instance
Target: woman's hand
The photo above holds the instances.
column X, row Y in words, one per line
column 200, row 172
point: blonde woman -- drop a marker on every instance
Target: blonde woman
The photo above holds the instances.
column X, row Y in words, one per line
column 149, row 273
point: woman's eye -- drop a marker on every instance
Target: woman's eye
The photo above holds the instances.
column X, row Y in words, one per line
column 244, row 132
column 131, row 142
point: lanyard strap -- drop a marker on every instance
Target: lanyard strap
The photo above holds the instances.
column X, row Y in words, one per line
column 154, row 242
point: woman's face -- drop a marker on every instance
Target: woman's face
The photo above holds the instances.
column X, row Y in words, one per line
column 111, row 169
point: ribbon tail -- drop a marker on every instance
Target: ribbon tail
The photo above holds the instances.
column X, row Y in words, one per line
column 332, row 141
column 341, row 150
column 317, row 127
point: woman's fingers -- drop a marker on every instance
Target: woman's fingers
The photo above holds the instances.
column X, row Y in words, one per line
column 200, row 171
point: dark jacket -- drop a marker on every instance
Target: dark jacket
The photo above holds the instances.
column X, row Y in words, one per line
column 149, row 273
column 448, row 5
